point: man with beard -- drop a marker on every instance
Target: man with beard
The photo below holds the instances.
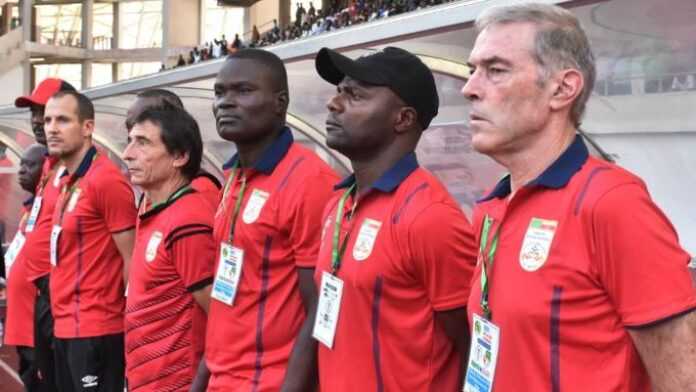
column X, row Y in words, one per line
column 91, row 239
column 38, row 230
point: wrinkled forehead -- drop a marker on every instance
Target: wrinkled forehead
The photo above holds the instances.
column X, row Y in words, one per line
column 512, row 40
column 147, row 129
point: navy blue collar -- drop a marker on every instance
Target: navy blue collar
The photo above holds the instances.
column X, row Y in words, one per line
column 555, row 176
column 85, row 164
column 392, row 178
column 271, row 157
column 28, row 201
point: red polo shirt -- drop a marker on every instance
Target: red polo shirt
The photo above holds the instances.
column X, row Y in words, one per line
column 36, row 247
column 173, row 256
column 208, row 185
column 21, row 294
column 87, row 283
column 410, row 253
column 584, row 254
column 248, row 344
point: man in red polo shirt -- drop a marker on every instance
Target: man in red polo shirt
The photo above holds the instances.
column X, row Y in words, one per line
column 397, row 253
column 21, row 294
column 267, row 231
column 171, row 269
column 91, row 237
column 581, row 283
column 38, row 230
column 157, row 98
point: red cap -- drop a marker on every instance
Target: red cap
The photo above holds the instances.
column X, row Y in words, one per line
column 43, row 92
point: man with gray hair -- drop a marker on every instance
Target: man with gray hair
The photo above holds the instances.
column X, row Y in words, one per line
column 581, row 284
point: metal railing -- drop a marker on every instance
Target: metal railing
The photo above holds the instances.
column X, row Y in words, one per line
column 646, row 84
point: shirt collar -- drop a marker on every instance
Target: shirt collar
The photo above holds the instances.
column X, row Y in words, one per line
column 555, row 176
column 154, row 210
column 392, row 178
column 29, row 201
column 85, row 164
column 271, row 156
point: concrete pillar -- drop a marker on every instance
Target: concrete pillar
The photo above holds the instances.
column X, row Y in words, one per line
column 6, row 18
column 27, row 77
column 166, row 16
column 86, row 74
column 87, row 40
column 25, row 14
column 116, row 27
column 248, row 25
column 284, row 12
column 181, row 21
column 87, row 24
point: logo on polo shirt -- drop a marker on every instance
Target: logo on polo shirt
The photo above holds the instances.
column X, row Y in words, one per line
column 90, row 381
column 366, row 239
column 254, row 205
column 151, row 250
column 537, row 243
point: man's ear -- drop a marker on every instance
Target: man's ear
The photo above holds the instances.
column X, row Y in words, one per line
column 282, row 102
column 406, row 119
column 180, row 159
column 87, row 128
column 568, row 85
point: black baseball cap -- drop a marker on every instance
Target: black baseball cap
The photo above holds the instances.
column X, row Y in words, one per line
column 401, row 71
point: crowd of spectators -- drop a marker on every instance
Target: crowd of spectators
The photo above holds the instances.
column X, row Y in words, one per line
column 307, row 22
column 209, row 50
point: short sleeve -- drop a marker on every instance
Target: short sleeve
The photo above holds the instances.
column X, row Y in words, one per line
column 115, row 201
column 193, row 255
column 304, row 224
column 643, row 268
column 443, row 252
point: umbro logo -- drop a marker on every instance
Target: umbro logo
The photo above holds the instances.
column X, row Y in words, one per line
column 90, row 381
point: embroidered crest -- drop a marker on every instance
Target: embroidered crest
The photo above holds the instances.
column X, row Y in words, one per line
column 152, row 245
column 366, row 239
column 254, row 205
column 537, row 243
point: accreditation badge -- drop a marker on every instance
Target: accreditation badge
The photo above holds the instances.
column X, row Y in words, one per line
column 33, row 214
column 228, row 273
column 55, row 235
column 328, row 309
column 74, row 197
column 537, row 243
column 152, row 245
column 483, row 356
column 254, row 206
column 13, row 250
column 366, row 239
